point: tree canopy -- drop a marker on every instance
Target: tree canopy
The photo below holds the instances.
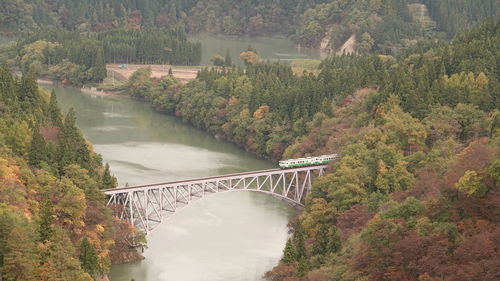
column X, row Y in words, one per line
column 417, row 182
column 53, row 221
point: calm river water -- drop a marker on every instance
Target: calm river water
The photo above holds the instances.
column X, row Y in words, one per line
column 232, row 236
column 268, row 48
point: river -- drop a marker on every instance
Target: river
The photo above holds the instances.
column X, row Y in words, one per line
column 230, row 236
column 268, row 48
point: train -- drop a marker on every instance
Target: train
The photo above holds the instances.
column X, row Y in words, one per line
column 308, row 161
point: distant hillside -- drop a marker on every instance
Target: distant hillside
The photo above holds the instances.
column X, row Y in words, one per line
column 385, row 24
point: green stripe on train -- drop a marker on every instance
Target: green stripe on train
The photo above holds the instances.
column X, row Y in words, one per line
column 306, row 164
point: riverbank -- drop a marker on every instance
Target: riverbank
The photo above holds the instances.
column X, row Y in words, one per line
column 94, row 91
column 45, row 81
column 122, row 72
column 87, row 90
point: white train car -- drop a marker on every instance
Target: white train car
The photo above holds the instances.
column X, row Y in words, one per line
column 308, row 161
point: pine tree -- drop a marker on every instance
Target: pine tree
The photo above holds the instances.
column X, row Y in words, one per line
column 170, row 71
column 38, row 151
column 289, row 254
column 69, row 137
column 28, row 92
column 46, row 224
column 88, row 258
column 299, row 241
column 99, row 66
column 83, row 155
column 8, row 93
column 442, row 70
column 108, row 181
column 326, row 107
column 303, row 266
column 334, row 242
column 320, row 246
column 54, row 111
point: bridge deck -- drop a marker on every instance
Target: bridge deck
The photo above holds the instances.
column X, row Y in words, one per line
column 211, row 178
column 145, row 206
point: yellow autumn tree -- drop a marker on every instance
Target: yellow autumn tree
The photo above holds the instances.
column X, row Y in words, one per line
column 261, row 112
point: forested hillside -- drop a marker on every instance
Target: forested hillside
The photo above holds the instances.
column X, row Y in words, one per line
column 379, row 25
column 61, row 55
column 385, row 26
column 53, row 221
column 265, row 107
column 149, row 46
column 79, row 58
column 416, row 193
column 453, row 16
column 417, row 185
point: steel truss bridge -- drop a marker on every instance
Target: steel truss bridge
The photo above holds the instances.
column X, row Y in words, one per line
column 146, row 206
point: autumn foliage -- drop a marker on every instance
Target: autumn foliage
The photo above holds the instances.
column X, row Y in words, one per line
column 415, row 196
column 53, row 221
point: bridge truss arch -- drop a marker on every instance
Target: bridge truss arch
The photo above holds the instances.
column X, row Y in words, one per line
column 146, row 206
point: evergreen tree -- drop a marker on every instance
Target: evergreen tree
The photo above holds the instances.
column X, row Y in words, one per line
column 99, row 66
column 108, row 181
column 334, row 242
column 442, row 70
column 299, row 241
column 8, row 94
column 54, row 111
column 28, row 92
column 83, row 155
column 289, row 254
column 38, row 151
column 69, row 138
column 88, row 258
column 303, row 266
column 320, row 246
column 46, row 223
